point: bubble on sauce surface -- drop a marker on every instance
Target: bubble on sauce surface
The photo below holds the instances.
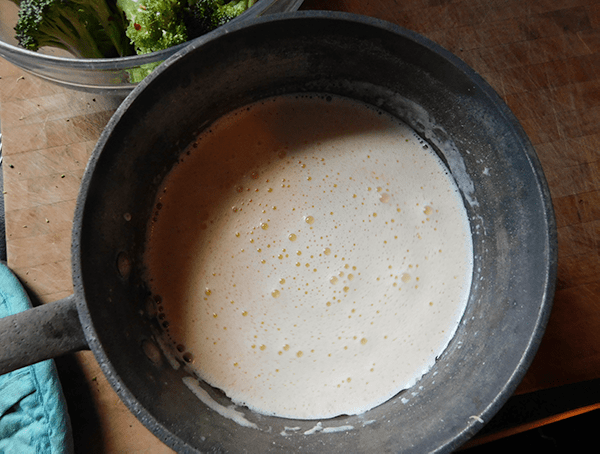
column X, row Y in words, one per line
column 384, row 198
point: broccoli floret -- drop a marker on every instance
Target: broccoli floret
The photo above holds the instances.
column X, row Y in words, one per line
column 139, row 73
column 203, row 16
column 154, row 24
column 86, row 28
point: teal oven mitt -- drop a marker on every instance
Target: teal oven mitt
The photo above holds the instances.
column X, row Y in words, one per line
column 33, row 411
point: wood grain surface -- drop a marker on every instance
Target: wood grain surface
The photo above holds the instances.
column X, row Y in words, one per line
column 541, row 56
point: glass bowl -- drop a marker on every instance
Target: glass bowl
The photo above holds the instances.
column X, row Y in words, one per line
column 98, row 75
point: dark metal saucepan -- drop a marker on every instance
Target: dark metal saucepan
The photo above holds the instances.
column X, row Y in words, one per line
column 494, row 164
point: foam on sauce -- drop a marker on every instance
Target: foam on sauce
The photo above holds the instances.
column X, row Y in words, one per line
column 310, row 255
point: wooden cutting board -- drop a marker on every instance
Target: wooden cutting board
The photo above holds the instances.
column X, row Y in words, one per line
column 541, row 56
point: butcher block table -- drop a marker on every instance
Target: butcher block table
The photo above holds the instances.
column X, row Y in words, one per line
column 541, row 56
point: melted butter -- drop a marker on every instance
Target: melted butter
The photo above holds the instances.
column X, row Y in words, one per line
column 314, row 341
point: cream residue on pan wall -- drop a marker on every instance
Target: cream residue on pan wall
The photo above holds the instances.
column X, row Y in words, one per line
column 227, row 412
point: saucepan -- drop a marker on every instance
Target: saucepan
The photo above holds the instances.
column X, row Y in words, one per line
column 483, row 146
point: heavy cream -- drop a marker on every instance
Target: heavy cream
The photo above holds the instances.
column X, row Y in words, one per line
column 311, row 255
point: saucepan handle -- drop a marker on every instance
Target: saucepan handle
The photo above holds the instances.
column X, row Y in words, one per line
column 41, row 333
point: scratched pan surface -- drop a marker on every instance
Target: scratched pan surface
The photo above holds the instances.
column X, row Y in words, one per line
column 486, row 151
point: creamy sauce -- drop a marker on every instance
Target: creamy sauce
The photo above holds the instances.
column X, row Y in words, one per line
column 311, row 257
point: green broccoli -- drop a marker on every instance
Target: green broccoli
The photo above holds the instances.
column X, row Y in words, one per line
column 158, row 24
column 203, row 16
column 86, row 28
column 154, row 24
column 117, row 28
